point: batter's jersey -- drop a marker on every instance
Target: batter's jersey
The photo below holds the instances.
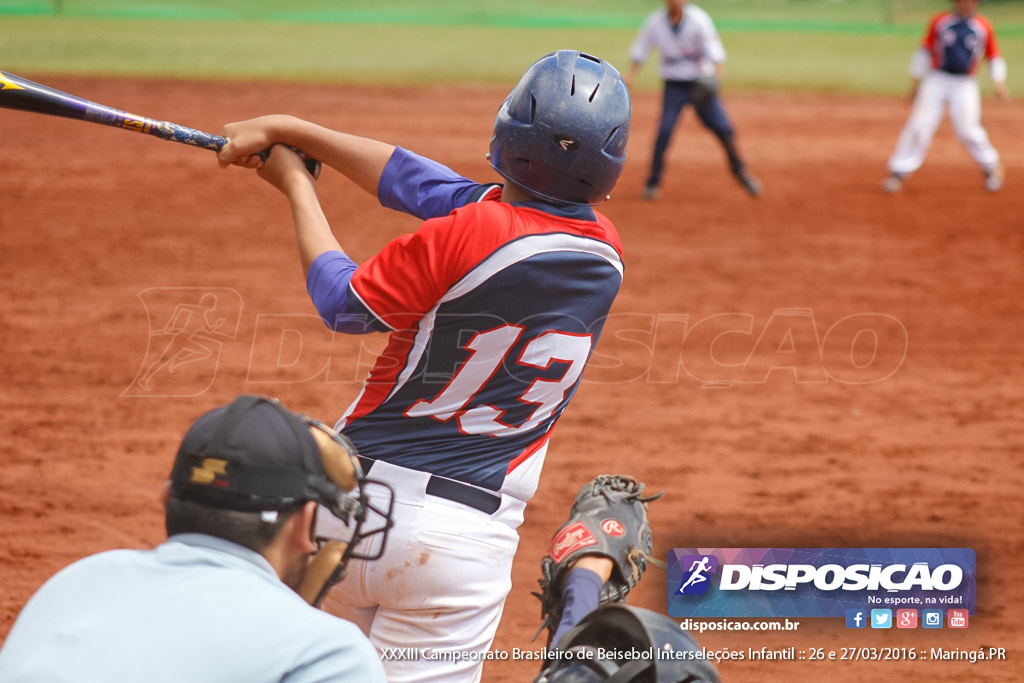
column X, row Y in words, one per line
column 196, row 609
column 688, row 50
column 493, row 311
column 958, row 44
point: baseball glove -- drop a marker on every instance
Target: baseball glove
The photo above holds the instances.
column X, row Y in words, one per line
column 704, row 90
column 608, row 517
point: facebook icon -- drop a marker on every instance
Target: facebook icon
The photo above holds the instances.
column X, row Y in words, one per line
column 856, row 618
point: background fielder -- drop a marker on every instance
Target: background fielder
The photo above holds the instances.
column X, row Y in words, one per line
column 692, row 66
column 945, row 74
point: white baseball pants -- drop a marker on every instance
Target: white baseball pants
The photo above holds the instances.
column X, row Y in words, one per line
column 431, row 605
column 939, row 90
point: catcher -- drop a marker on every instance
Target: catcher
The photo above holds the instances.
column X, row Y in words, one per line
column 616, row 628
column 595, row 559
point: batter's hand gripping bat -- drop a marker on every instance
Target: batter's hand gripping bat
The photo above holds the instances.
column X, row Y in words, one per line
column 22, row 94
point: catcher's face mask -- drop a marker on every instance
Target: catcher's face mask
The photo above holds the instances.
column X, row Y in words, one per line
column 350, row 501
column 255, row 455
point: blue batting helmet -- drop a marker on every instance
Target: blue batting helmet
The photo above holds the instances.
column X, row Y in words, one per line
column 561, row 133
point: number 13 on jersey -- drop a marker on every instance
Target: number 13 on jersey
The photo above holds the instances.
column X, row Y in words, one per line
column 489, row 353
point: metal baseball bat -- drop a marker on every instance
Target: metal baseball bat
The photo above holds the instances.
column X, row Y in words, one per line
column 25, row 95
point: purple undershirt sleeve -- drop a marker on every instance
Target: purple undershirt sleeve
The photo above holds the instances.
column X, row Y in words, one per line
column 411, row 184
column 422, row 187
column 327, row 283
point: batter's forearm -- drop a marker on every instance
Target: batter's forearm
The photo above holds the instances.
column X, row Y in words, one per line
column 360, row 159
column 312, row 231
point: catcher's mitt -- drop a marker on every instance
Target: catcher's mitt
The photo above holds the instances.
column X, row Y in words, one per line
column 608, row 517
column 704, row 90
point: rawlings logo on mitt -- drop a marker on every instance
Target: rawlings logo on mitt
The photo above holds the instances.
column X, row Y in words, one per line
column 608, row 517
column 569, row 540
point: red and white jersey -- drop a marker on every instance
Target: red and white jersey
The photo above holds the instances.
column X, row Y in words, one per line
column 494, row 311
column 958, row 44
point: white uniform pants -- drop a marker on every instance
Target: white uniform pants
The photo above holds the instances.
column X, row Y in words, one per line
column 939, row 90
column 432, row 603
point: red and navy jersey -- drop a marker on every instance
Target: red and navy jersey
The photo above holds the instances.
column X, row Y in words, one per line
column 493, row 312
column 957, row 44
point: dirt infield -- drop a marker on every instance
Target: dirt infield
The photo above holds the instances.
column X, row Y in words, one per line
column 826, row 366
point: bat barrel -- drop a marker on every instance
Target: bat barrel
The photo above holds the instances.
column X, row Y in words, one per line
column 25, row 95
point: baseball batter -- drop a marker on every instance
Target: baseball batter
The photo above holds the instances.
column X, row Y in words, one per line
column 692, row 66
column 493, row 307
column 944, row 71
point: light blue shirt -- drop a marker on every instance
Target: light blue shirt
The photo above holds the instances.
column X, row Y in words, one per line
column 195, row 609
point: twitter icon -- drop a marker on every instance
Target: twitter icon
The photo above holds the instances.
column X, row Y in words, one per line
column 881, row 618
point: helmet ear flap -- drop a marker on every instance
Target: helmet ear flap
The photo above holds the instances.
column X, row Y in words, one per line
column 340, row 465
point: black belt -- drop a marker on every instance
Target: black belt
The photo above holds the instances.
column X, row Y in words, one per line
column 452, row 490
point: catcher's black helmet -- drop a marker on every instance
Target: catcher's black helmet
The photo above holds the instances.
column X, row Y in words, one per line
column 561, row 133
column 255, row 455
column 618, row 644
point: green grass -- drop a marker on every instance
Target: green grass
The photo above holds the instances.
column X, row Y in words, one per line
column 532, row 13
column 307, row 52
column 861, row 14
column 839, row 63
column 839, row 45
